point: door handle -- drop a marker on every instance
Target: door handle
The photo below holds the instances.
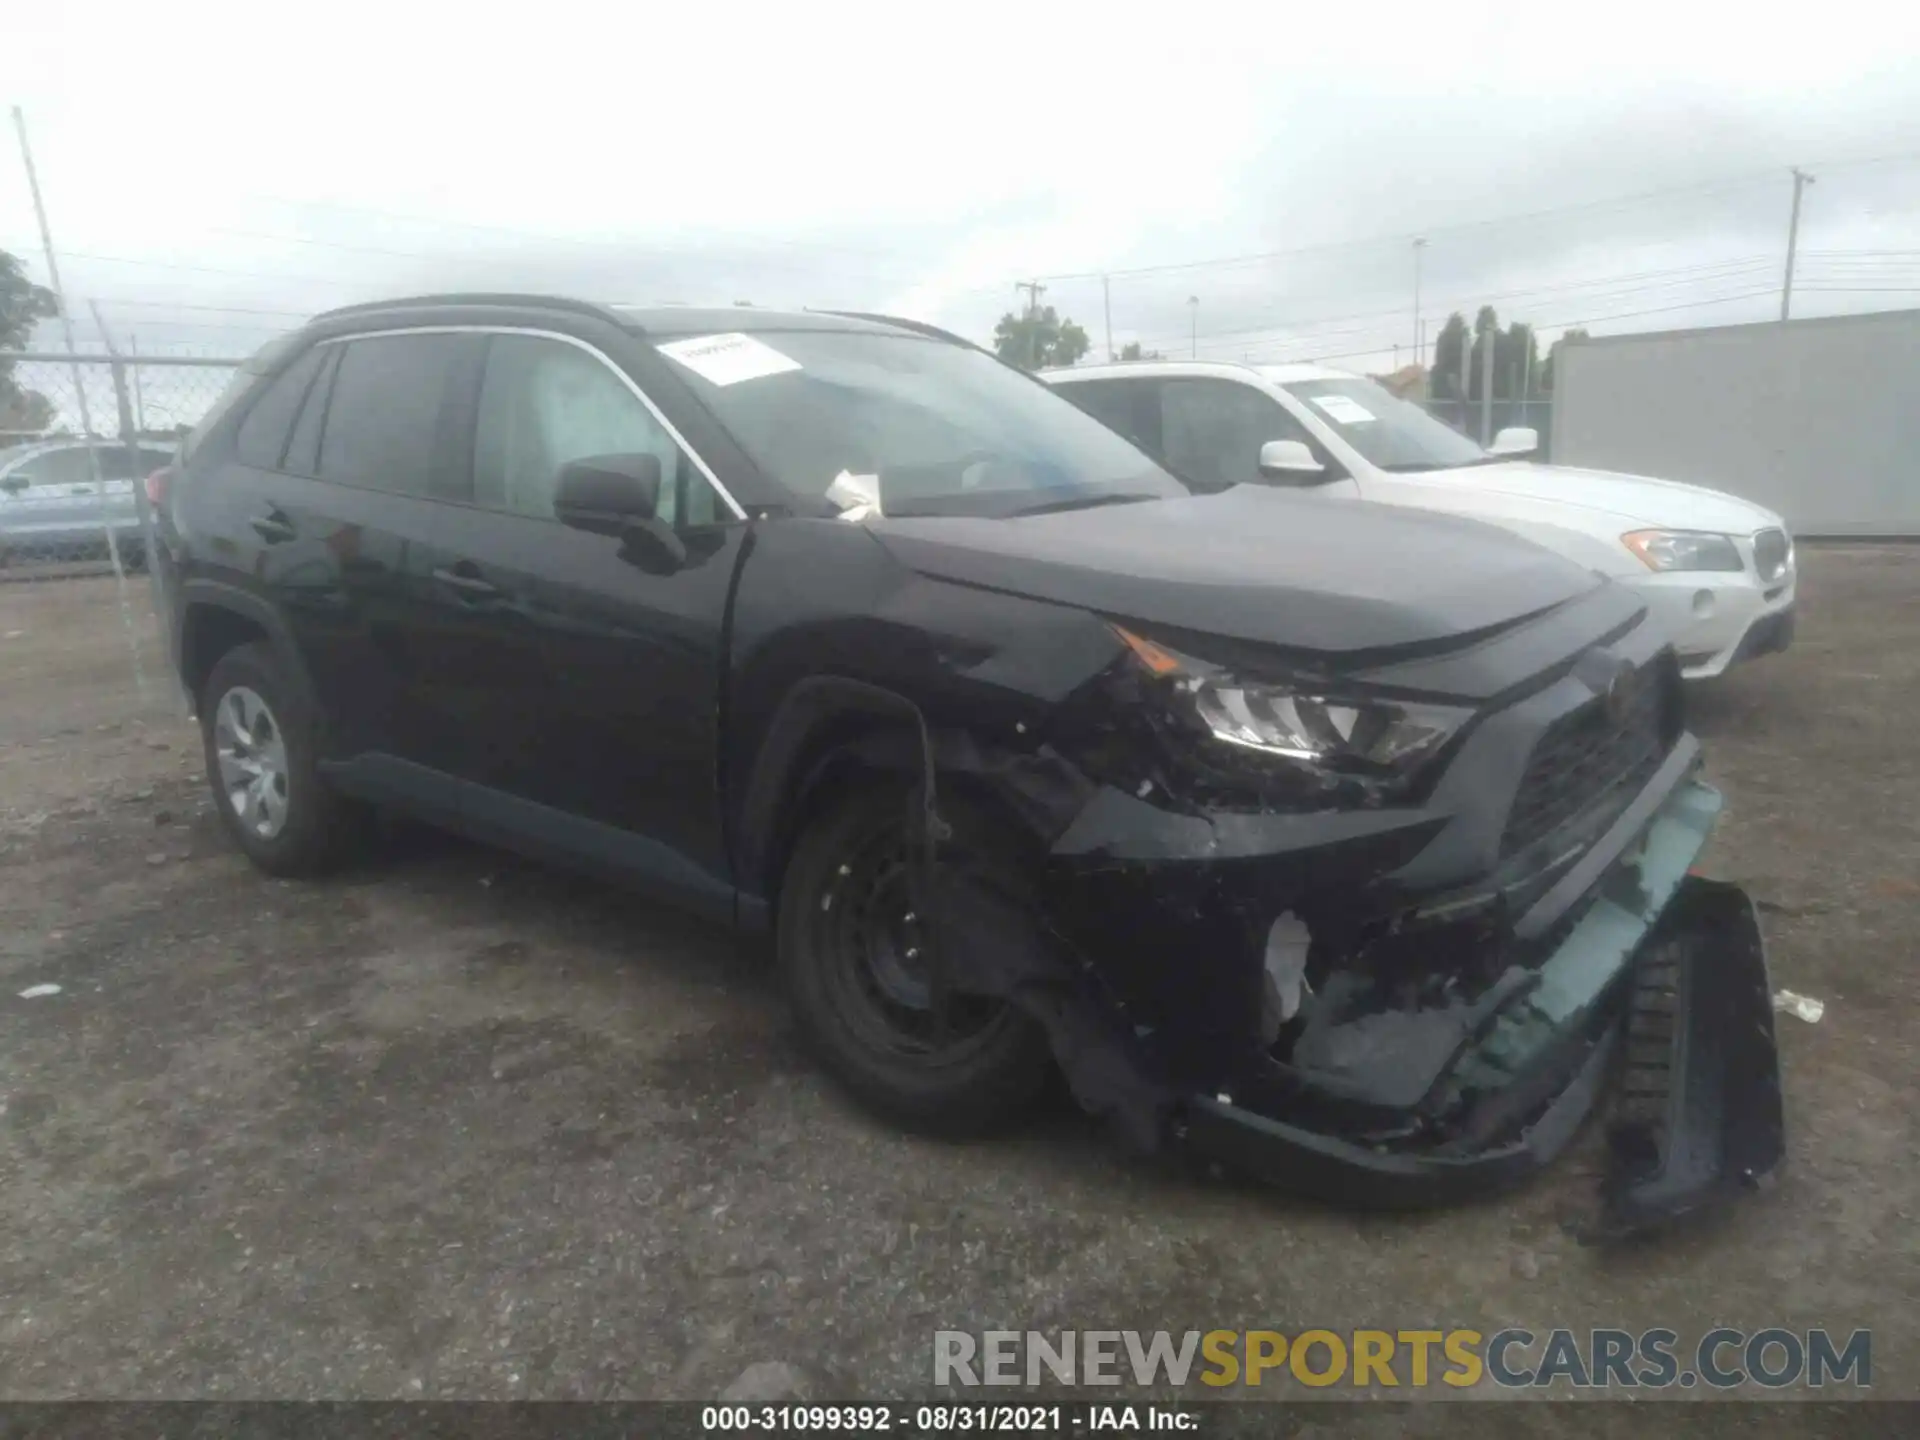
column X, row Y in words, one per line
column 273, row 527
column 467, row 586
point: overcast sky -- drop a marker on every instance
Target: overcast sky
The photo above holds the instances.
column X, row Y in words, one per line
column 214, row 173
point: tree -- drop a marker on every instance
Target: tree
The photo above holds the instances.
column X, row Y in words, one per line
column 1132, row 351
column 1444, row 382
column 1516, row 362
column 1486, row 332
column 1038, row 339
column 1578, row 332
column 23, row 305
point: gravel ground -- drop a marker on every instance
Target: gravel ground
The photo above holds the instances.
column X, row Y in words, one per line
column 455, row 1125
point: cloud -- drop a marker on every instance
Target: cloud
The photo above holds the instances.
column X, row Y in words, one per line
column 217, row 171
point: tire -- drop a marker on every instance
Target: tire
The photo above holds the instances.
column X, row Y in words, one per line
column 844, row 935
column 252, row 722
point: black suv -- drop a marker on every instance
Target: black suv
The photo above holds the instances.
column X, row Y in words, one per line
column 1343, row 843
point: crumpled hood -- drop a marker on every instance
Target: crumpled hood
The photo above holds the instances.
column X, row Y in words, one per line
column 1637, row 499
column 1253, row 563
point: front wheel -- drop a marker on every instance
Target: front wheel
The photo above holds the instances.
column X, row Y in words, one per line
column 853, row 952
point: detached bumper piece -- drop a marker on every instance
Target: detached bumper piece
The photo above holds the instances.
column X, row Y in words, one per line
column 1659, row 990
column 1699, row 1118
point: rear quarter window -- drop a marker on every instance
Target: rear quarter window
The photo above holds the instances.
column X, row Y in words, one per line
column 262, row 439
column 249, row 375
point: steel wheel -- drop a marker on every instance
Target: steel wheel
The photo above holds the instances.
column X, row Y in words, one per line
column 855, row 955
column 252, row 756
column 876, row 953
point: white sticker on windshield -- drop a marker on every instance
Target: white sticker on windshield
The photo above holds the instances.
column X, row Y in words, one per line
column 729, row 359
column 1340, row 408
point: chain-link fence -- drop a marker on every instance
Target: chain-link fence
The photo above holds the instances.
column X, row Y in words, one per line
column 80, row 642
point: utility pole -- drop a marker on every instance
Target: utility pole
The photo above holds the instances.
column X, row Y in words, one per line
column 1034, row 291
column 1106, row 304
column 1193, row 327
column 1466, row 380
column 1492, row 334
column 1526, row 372
column 80, row 399
column 1419, row 340
column 139, row 406
column 1800, row 181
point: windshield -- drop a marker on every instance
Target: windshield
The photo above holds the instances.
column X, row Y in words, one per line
column 945, row 429
column 1392, row 433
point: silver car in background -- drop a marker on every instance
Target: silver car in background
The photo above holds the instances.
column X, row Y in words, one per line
column 54, row 511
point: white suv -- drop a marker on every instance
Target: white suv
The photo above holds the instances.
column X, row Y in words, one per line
column 1717, row 571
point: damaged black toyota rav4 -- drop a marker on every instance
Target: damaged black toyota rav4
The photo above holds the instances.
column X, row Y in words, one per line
column 1345, row 845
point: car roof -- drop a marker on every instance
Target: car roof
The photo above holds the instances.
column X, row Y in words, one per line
column 669, row 320
column 664, row 321
column 1220, row 369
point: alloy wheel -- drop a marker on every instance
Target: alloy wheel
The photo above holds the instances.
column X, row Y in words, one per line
column 251, row 753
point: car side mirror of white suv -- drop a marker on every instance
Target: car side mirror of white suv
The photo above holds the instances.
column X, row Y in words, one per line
column 1515, row 440
column 1288, row 460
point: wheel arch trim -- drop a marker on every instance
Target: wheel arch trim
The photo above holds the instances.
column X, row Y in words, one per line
column 200, row 595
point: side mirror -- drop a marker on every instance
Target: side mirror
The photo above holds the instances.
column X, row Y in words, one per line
column 607, row 493
column 1515, row 440
column 619, row 495
column 1289, row 460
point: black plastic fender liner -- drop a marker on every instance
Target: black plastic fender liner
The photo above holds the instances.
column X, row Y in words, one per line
column 1700, row 1118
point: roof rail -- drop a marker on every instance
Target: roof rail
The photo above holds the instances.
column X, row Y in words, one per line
column 552, row 302
column 918, row 327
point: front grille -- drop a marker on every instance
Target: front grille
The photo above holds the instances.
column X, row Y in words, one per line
column 1587, row 761
column 1770, row 552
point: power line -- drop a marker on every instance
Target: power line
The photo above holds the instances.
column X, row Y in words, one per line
column 1385, row 344
column 1748, row 180
column 1616, row 285
column 449, row 222
column 1658, row 309
column 213, row 309
column 334, row 280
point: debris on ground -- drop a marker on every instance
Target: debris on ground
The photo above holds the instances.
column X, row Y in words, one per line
column 1801, row 1007
column 36, row 992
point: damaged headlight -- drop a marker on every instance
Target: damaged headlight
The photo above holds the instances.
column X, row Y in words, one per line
column 1302, row 721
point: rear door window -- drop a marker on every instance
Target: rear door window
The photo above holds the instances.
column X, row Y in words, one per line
column 387, row 423
column 262, row 441
column 69, row 465
column 117, row 464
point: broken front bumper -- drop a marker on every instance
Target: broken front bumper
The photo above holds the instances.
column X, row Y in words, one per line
column 1658, row 988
